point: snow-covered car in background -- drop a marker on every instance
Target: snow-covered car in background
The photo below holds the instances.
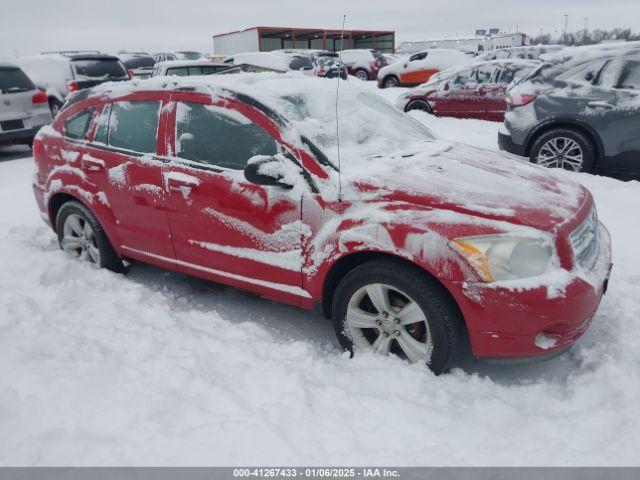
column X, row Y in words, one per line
column 475, row 91
column 530, row 52
column 179, row 55
column 364, row 63
column 580, row 111
column 323, row 64
column 277, row 61
column 186, row 68
column 407, row 242
column 138, row 64
column 419, row 67
column 23, row 108
column 61, row 73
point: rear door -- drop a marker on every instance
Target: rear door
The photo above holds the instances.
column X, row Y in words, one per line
column 458, row 97
column 415, row 70
column 224, row 227
column 491, row 94
column 124, row 158
column 617, row 115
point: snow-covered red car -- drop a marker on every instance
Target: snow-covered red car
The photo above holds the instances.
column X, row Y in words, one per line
column 419, row 67
column 475, row 91
column 409, row 243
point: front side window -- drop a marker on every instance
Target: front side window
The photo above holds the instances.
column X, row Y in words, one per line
column 464, row 77
column 134, row 125
column 77, row 126
column 630, row 77
column 218, row 136
column 485, row 74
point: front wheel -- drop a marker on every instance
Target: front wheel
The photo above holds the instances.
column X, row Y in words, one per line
column 392, row 308
column 564, row 148
column 81, row 236
column 418, row 105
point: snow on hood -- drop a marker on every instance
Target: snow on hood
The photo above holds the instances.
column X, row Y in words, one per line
column 384, row 152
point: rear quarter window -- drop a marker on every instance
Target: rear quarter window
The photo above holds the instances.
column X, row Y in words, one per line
column 77, row 126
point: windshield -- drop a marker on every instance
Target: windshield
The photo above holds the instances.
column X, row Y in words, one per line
column 13, row 80
column 328, row 60
column 99, row 68
column 370, row 128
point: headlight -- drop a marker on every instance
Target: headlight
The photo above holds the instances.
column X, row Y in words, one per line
column 506, row 257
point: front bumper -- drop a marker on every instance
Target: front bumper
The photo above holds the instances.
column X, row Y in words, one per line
column 517, row 323
column 506, row 143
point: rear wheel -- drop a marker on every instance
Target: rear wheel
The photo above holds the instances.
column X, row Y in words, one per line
column 81, row 236
column 418, row 105
column 390, row 82
column 389, row 307
column 564, row 148
column 362, row 74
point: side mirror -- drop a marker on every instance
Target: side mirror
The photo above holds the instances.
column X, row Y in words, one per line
column 267, row 170
column 589, row 76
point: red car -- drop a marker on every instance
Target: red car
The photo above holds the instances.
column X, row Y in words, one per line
column 474, row 91
column 408, row 243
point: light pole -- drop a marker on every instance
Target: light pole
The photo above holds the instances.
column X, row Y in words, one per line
column 566, row 25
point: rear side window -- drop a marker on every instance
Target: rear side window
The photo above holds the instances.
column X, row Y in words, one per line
column 219, row 136
column 77, row 126
column 511, row 73
column 98, row 69
column 132, row 126
column 14, row 80
column 180, row 72
column 585, row 73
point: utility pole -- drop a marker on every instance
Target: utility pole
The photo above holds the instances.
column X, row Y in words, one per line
column 566, row 25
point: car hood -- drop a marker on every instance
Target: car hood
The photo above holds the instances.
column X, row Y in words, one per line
column 473, row 181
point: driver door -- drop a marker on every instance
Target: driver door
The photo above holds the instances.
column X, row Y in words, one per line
column 223, row 227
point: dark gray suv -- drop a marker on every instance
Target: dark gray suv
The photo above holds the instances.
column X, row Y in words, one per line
column 579, row 111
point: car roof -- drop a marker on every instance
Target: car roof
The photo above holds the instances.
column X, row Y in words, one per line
column 75, row 56
column 8, row 65
column 187, row 63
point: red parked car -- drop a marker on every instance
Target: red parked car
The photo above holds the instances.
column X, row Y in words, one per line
column 474, row 91
column 407, row 242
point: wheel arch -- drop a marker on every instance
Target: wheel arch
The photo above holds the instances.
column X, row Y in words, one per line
column 392, row 75
column 103, row 214
column 342, row 266
column 568, row 123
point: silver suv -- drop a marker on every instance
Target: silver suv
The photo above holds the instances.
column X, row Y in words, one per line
column 23, row 108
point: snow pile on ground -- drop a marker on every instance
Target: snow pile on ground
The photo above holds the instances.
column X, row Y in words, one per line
column 155, row 368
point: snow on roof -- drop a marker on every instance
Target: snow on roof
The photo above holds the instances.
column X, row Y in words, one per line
column 186, row 63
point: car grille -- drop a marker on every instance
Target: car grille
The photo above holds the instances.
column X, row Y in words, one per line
column 584, row 241
column 12, row 125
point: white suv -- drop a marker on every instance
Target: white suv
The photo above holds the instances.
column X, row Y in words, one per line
column 23, row 108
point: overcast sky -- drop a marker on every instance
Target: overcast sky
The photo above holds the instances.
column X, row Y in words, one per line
column 28, row 26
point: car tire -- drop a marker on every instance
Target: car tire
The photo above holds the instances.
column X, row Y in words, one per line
column 418, row 105
column 361, row 74
column 432, row 341
column 55, row 105
column 81, row 235
column 565, row 148
column 390, row 82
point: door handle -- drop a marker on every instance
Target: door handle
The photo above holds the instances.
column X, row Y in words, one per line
column 178, row 181
column 601, row 105
column 91, row 164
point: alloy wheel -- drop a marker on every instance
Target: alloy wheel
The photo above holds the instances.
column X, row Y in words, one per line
column 79, row 239
column 386, row 320
column 561, row 152
column 362, row 75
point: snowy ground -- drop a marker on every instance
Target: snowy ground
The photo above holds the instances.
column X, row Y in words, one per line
column 155, row 368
